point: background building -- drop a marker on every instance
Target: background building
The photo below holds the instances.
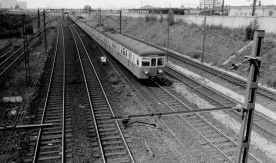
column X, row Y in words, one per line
column 8, row 3
column 22, row 5
column 210, row 3
column 247, row 11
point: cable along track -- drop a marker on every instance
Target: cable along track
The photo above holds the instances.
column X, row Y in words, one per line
column 262, row 91
column 217, row 99
column 213, row 136
column 111, row 141
column 49, row 144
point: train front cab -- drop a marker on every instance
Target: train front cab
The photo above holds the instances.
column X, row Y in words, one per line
column 151, row 67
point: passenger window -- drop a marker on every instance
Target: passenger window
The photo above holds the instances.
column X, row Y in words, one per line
column 130, row 56
column 138, row 61
column 160, row 62
column 153, row 62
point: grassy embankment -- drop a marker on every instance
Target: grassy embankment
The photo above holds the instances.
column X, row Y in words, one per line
column 220, row 43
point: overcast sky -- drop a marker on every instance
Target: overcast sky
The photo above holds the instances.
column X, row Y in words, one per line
column 117, row 4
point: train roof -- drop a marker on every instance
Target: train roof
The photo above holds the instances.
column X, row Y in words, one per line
column 133, row 45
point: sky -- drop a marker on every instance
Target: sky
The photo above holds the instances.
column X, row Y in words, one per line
column 117, row 4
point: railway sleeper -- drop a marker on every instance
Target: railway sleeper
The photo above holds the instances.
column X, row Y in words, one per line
column 103, row 118
column 106, row 125
column 48, row 158
column 119, row 160
column 218, row 140
column 107, row 129
column 110, row 138
column 231, row 151
column 102, row 111
column 212, row 135
column 54, row 121
column 99, row 117
column 111, row 148
column 112, row 143
column 115, row 154
column 56, row 131
column 102, row 115
column 109, row 133
column 205, row 127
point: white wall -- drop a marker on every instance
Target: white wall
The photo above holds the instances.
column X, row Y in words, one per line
column 265, row 23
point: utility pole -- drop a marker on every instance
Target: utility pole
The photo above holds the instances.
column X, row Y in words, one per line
column 203, row 39
column 249, row 103
column 120, row 21
column 26, row 52
column 254, row 8
column 100, row 16
column 222, row 7
column 204, row 8
column 38, row 19
column 45, row 30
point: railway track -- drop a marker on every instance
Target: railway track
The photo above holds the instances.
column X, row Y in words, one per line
column 111, row 141
column 261, row 123
column 262, row 91
column 226, row 146
column 13, row 58
column 50, row 144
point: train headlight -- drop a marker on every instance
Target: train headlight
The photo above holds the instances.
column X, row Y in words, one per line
column 146, row 72
column 160, row 71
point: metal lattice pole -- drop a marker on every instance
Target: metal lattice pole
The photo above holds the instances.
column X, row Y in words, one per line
column 203, row 39
column 44, row 16
column 249, row 103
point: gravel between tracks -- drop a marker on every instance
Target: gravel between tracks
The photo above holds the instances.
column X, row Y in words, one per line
column 261, row 146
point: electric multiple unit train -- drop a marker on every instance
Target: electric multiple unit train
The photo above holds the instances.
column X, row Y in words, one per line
column 144, row 61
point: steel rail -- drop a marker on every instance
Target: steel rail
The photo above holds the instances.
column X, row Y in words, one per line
column 121, row 133
column 205, row 120
column 142, row 106
column 16, row 59
column 200, row 134
column 226, row 76
column 226, row 97
column 35, row 158
column 108, row 103
column 36, row 35
column 89, row 99
column 63, row 155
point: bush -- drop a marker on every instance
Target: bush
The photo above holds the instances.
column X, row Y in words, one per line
column 249, row 30
column 170, row 18
column 161, row 17
column 30, row 30
column 196, row 55
column 271, row 82
column 150, row 18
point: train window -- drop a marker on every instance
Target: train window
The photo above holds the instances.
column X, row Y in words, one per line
column 145, row 61
column 114, row 45
column 130, row 55
column 153, row 61
column 138, row 61
column 160, row 61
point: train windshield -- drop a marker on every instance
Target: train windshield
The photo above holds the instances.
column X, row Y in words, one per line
column 145, row 61
column 160, row 61
column 153, row 61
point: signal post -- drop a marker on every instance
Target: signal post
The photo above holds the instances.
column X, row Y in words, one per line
column 249, row 103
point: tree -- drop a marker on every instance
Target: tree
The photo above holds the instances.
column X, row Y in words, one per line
column 87, row 9
column 17, row 7
column 170, row 18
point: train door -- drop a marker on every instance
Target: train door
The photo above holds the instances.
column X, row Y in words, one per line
column 129, row 59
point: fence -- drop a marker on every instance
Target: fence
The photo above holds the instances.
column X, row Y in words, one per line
column 265, row 23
